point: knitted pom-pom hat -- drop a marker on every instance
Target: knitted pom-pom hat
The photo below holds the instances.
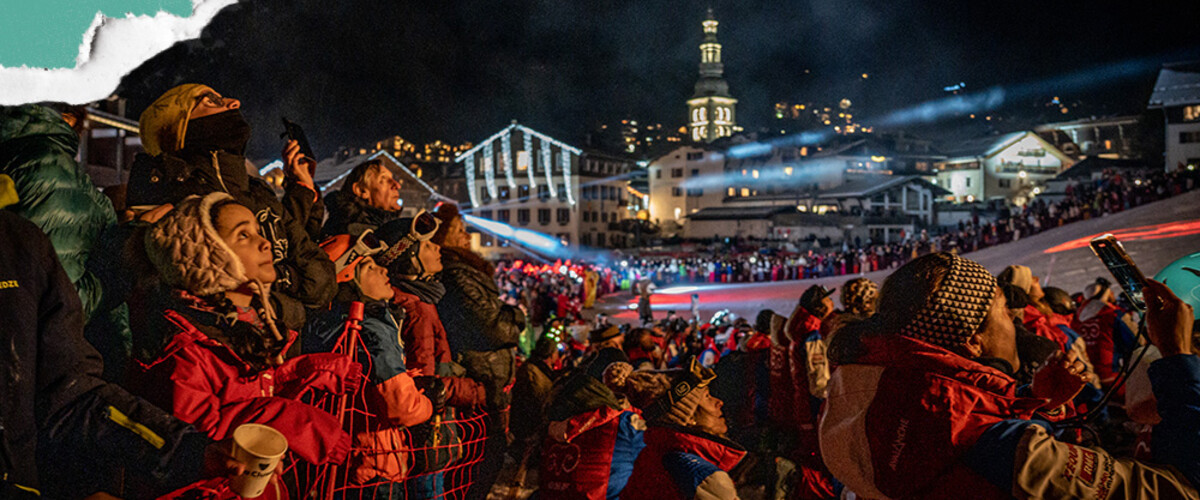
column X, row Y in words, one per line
column 189, row 254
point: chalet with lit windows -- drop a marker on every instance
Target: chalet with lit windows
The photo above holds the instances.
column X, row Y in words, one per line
column 529, row 180
column 1177, row 94
column 1013, row 167
column 1110, row 137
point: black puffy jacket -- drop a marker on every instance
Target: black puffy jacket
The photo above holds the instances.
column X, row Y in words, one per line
column 349, row 214
column 55, row 407
column 480, row 329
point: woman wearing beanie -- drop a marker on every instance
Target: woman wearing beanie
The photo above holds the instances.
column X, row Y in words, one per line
column 914, row 410
column 391, row 395
column 412, row 261
column 687, row 454
column 590, row 455
column 220, row 362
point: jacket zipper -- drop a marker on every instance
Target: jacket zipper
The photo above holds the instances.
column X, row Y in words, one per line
column 217, row 168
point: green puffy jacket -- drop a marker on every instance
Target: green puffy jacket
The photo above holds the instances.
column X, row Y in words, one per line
column 37, row 149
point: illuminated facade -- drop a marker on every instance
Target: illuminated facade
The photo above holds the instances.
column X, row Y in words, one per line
column 528, row 180
column 1177, row 94
column 711, row 110
column 1013, row 167
column 682, row 182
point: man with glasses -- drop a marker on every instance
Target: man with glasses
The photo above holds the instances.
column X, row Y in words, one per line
column 195, row 141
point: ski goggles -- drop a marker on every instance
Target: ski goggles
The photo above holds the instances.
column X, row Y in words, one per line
column 424, row 226
column 346, row 255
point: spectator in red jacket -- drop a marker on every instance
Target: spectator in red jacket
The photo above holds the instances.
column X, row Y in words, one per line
column 221, row 362
column 687, row 454
column 913, row 411
column 810, row 376
column 1106, row 328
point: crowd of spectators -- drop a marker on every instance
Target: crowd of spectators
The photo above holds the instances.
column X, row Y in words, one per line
column 399, row 363
column 1109, row 193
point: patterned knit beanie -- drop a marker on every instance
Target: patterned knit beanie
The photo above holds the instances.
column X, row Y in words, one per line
column 677, row 393
column 956, row 308
column 858, row 296
column 189, row 254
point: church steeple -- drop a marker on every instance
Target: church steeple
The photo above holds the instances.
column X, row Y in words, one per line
column 711, row 108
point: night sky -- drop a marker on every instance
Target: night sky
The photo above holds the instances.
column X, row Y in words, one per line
column 354, row 72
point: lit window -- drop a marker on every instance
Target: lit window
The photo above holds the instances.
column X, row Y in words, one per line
column 745, row 192
column 755, row 173
column 729, row 192
column 1191, row 113
column 787, row 170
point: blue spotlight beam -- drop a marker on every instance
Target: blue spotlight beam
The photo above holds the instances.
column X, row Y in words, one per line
column 534, row 240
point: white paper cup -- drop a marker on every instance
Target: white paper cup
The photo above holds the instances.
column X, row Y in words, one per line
column 259, row 448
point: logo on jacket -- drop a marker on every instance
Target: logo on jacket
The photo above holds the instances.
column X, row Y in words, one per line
column 9, row 284
column 269, row 225
column 898, row 444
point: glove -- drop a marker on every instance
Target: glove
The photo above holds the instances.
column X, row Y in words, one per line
column 435, row 389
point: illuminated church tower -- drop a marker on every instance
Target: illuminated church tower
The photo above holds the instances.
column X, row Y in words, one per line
column 711, row 110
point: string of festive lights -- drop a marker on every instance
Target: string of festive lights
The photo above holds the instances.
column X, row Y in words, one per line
column 469, row 166
column 529, row 157
column 545, row 150
column 506, row 149
column 566, row 164
column 489, row 169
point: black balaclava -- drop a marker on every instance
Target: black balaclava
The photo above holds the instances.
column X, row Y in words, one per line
column 226, row 131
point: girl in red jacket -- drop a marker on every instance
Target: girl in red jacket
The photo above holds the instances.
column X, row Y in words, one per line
column 221, row 362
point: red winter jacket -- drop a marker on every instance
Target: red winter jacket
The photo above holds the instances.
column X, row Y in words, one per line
column 1109, row 340
column 681, row 463
column 425, row 347
column 1043, row 326
column 899, row 419
column 592, row 455
column 203, row 382
column 912, row 420
column 809, row 366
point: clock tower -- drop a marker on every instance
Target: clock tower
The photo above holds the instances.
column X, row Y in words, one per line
column 711, row 110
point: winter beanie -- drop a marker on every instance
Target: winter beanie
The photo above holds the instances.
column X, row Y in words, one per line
column 163, row 125
column 858, row 295
column 445, row 212
column 679, row 398
column 957, row 308
column 1019, row 276
column 189, row 254
column 403, row 246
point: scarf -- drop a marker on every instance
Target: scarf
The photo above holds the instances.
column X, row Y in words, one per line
column 429, row 291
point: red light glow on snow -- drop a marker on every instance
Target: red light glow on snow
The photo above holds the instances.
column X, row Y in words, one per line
column 1144, row 233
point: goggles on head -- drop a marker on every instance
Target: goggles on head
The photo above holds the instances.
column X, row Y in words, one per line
column 423, row 227
column 347, row 255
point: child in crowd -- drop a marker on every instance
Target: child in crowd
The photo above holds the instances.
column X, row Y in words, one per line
column 221, row 359
column 391, row 394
